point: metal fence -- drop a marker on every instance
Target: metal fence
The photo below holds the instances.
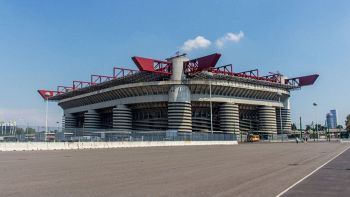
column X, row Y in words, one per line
column 81, row 135
column 151, row 136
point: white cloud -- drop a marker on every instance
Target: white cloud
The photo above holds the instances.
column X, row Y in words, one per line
column 229, row 37
column 197, row 43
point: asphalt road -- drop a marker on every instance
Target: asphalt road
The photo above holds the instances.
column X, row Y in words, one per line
column 331, row 180
column 243, row 170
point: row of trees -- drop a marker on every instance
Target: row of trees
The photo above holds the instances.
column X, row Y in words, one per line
column 28, row 130
column 323, row 128
column 319, row 127
column 347, row 123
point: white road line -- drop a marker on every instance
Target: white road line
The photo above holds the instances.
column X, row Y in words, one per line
column 286, row 190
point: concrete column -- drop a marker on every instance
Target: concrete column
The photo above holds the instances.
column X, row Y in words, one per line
column 177, row 68
column 179, row 109
column 267, row 119
column 68, row 122
column 229, row 117
column 91, row 120
column 286, row 120
column 286, row 103
column 179, row 103
column 122, row 118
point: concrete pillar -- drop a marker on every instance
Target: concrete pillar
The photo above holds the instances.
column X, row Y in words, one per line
column 177, row 68
column 267, row 119
column 286, row 120
column 91, row 120
column 229, row 117
column 68, row 122
column 179, row 103
column 179, row 109
column 122, row 118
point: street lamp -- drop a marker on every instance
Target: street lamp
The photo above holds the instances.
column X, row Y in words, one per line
column 301, row 129
column 46, row 114
column 327, row 131
column 58, row 128
column 27, row 131
column 210, row 103
column 315, row 105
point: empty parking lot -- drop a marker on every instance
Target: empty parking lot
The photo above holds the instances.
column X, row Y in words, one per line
column 243, row 170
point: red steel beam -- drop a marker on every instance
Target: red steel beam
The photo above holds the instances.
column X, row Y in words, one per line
column 122, row 72
column 81, row 84
column 253, row 74
column 201, row 64
column 152, row 65
column 100, row 78
column 302, row 81
column 63, row 89
column 46, row 94
column 274, row 77
column 224, row 70
column 249, row 74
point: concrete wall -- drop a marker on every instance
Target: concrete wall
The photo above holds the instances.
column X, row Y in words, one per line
column 31, row 146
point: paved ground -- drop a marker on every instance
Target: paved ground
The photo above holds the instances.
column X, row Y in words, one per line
column 243, row 170
column 331, row 180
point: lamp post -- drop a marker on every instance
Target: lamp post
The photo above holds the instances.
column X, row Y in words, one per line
column 46, row 114
column 27, row 131
column 328, row 137
column 301, row 129
column 58, row 127
column 316, row 129
column 210, row 103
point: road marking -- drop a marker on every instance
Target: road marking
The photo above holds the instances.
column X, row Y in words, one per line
column 311, row 173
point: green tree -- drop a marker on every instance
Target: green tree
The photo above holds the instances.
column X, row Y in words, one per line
column 30, row 130
column 347, row 123
column 294, row 127
column 321, row 127
column 307, row 127
column 19, row 131
column 340, row 127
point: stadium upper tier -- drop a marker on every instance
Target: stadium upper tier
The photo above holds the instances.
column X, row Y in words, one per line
column 149, row 77
column 152, row 70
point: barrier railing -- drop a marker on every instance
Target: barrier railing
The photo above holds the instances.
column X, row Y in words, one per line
column 81, row 135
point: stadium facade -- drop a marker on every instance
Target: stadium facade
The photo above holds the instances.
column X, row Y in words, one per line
column 181, row 95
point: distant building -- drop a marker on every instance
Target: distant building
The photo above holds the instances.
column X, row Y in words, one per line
column 332, row 119
column 7, row 128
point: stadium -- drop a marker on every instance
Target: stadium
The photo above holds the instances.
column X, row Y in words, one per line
column 178, row 94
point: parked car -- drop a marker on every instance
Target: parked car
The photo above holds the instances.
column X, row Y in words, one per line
column 253, row 138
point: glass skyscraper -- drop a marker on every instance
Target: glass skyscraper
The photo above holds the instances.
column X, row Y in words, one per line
column 331, row 119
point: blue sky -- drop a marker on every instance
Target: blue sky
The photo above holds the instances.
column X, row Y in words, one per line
column 48, row 43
